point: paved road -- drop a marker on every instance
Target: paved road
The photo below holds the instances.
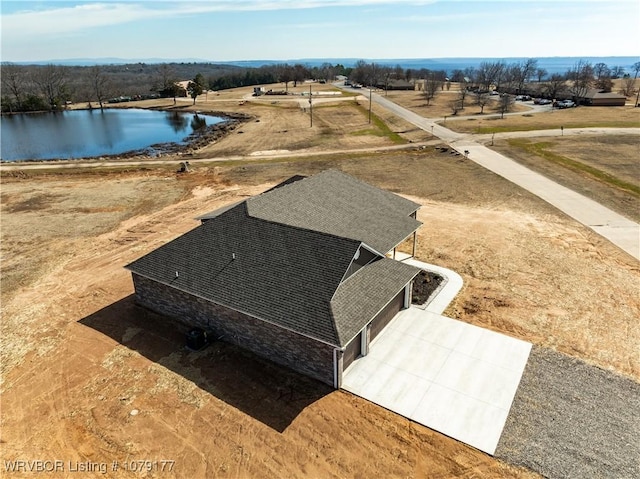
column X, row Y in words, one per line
column 621, row 231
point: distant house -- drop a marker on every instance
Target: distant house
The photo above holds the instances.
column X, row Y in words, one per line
column 595, row 97
column 298, row 274
column 396, row 85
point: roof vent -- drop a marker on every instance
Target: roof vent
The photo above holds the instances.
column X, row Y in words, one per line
column 233, row 256
column 177, row 275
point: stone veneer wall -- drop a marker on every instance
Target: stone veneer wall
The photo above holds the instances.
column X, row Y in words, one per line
column 279, row 345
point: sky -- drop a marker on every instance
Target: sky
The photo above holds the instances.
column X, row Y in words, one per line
column 231, row 30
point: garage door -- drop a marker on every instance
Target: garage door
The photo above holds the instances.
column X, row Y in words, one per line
column 387, row 314
column 351, row 352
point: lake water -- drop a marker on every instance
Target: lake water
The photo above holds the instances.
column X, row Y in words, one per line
column 91, row 133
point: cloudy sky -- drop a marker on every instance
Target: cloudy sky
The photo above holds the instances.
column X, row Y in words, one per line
column 227, row 30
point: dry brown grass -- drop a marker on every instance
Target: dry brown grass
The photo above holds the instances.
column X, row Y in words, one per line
column 283, row 123
column 603, row 168
column 440, row 106
column 581, row 117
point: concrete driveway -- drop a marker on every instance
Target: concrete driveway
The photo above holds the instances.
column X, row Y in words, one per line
column 450, row 376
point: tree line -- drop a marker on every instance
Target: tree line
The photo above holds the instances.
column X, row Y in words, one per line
column 51, row 87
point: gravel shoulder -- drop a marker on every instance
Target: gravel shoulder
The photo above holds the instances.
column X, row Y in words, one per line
column 573, row 420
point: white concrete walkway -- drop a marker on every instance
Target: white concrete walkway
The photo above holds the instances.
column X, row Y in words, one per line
column 453, row 377
column 621, row 231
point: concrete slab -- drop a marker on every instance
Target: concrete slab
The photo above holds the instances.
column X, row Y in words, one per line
column 453, row 377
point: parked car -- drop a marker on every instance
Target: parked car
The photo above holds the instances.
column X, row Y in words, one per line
column 544, row 101
column 565, row 104
column 494, row 93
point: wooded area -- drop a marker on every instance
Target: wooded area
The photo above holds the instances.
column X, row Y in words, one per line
column 50, row 87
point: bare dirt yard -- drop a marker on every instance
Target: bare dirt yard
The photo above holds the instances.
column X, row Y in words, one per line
column 89, row 376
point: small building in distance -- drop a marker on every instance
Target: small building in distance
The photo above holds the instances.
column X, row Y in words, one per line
column 595, row 97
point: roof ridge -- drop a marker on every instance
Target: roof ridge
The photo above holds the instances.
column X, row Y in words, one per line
column 299, row 228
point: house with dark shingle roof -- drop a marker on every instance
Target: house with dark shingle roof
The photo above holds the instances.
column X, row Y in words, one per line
column 299, row 274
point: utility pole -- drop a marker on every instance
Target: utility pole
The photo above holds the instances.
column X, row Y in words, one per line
column 310, row 107
column 369, row 105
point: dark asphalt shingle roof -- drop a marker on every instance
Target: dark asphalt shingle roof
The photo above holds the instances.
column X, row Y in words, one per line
column 289, row 272
column 281, row 274
column 339, row 204
column 366, row 292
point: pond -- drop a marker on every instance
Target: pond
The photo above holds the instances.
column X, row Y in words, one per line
column 90, row 133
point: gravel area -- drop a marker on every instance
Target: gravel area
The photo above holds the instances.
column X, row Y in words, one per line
column 573, row 420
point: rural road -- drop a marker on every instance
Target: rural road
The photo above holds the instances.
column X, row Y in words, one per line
column 616, row 228
column 621, row 231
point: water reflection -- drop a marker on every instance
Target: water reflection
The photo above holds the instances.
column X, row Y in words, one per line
column 198, row 122
column 177, row 121
column 89, row 133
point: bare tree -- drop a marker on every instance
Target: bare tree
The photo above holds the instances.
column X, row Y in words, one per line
column 327, row 71
column 300, row 74
column 100, row 85
column 462, row 94
column 513, row 78
column 617, row 72
column 359, row 72
column 628, row 86
column 483, row 74
column 408, row 74
column 386, row 75
column 636, row 70
column 529, row 67
column 581, row 79
column 14, row 80
column 603, row 77
column 432, row 86
column 505, row 103
column 481, row 99
column 166, row 76
column 541, row 73
column 556, row 86
column 374, row 73
column 285, row 75
column 457, row 76
column 455, row 106
column 398, row 73
column 52, row 82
